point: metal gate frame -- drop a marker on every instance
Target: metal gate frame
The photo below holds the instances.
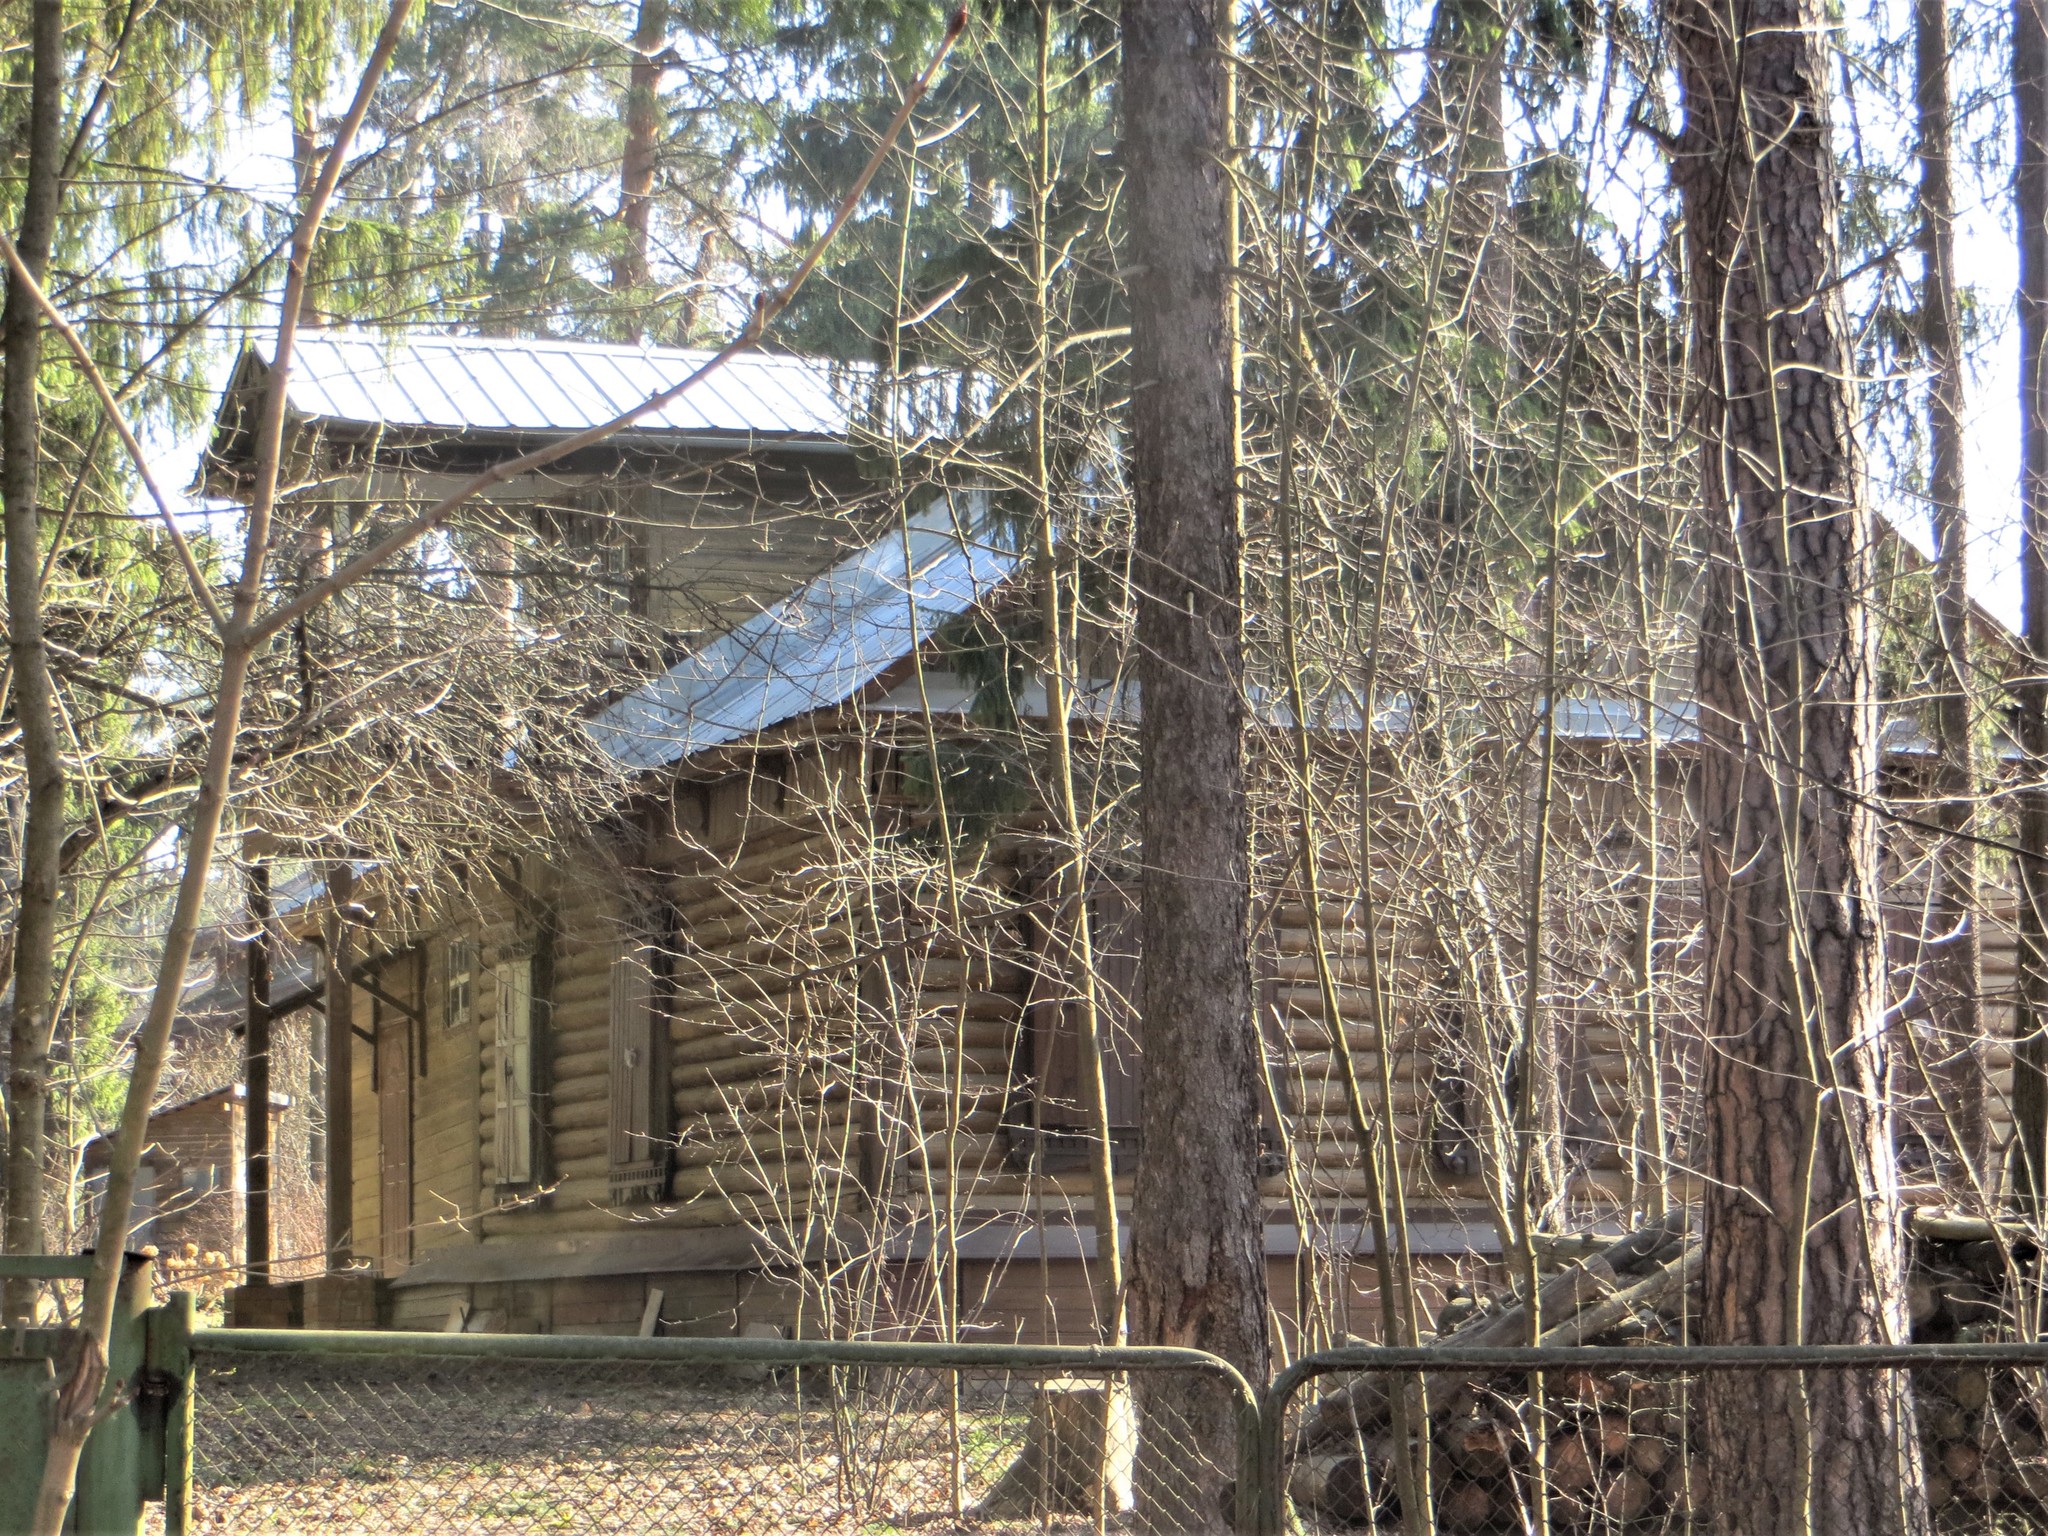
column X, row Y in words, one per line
column 182, row 1346
column 144, row 1452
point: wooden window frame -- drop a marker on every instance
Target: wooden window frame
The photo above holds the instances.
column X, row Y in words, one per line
column 1115, row 908
column 1048, row 1124
column 516, row 1059
column 459, row 976
column 639, row 1147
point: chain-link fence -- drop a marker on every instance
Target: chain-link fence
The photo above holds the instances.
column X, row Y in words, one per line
column 440, row 1437
column 1609, row 1440
column 284, row 1430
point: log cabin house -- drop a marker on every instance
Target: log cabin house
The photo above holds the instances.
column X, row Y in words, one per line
column 791, row 1042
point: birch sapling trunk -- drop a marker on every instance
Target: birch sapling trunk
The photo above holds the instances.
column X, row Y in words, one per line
column 1198, row 1265
column 87, row 1395
column 1800, row 1205
column 35, row 701
column 1074, row 950
column 2030, row 1031
column 1953, row 972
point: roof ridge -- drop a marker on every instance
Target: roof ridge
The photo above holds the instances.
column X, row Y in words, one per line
column 361, row 336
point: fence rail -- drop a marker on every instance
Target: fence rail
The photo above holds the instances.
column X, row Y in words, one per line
column 424, row 1432
column 1579, row 1438
column 289, row 1430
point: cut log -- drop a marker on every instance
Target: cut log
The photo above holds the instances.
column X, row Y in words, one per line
column 1365, row 1403
column 1572, row 1463
column 1940, row 1493
column 1478, row 1446
column 1963, row 1465
column 1465, row 1505
column 1942, row 1421
column 1651, row 1292
column 1923, row 1301
column 1970, row 1387
column 1650, row 1449
column 1628, row 1497
column 2026, row 1482
column 1336, row 1485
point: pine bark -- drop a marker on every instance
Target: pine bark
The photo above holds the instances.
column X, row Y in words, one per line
column 1465, row 120
column 636, row 166
column 2030, row 692
column 1953, row 968
column 34, row 702
column 1800, row 1203
column 1198, row 1268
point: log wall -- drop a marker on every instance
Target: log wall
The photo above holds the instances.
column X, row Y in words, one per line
column 822, row 1015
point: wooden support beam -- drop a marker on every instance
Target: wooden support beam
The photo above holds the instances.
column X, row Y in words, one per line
column 256, row 1077
column 404, row 1010
column 340, row 1168
column 313, row 997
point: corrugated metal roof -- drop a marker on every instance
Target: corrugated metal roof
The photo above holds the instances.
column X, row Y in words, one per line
column 819, row 646
column 505, row 385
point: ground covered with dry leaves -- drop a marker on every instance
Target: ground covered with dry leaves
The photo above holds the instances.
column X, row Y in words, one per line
column 440, row 1447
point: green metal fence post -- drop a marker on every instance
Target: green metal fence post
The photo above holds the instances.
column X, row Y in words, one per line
column 1264, row 1512
column 111, row 1473
column 1259, row 1495
column 171, row 1381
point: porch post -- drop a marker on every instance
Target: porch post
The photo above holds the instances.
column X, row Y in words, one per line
column 341, row 1015
column 256, row 1083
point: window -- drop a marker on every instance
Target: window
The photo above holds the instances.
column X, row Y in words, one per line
column 1057, row 1127
column 458, row 994
column 1049, row 1126
column 591, row 552
column 515, row 1101
column 638, row 1124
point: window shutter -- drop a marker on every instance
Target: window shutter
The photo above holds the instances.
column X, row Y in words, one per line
column 639, row 1161
column 515, row 1071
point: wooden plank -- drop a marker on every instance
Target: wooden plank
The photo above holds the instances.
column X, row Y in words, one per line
column 650, row 1315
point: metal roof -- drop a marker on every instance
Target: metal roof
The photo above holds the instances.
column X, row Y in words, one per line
column 507, row 385
column 818, row 647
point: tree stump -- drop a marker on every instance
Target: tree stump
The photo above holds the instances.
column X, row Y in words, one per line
column 1079, row 1449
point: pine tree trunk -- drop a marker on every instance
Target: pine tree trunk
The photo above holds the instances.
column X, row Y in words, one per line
column 1953, row 972
column 1465, row 120
column 636, row 165
column 1801, row 1204
column 34, row 702
column 2030, row 1031
column 1198, row 1267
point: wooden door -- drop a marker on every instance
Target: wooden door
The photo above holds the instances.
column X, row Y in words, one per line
column 394, row 1128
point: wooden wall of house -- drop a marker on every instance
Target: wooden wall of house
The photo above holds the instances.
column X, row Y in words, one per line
column 821, row 1006
column 710, row 544
column 716, row 558
column 815, row 1008
column 365, row 1146
column 447, row 1146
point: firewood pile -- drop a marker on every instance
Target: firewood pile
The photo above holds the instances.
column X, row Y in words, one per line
column 1616, row 1452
